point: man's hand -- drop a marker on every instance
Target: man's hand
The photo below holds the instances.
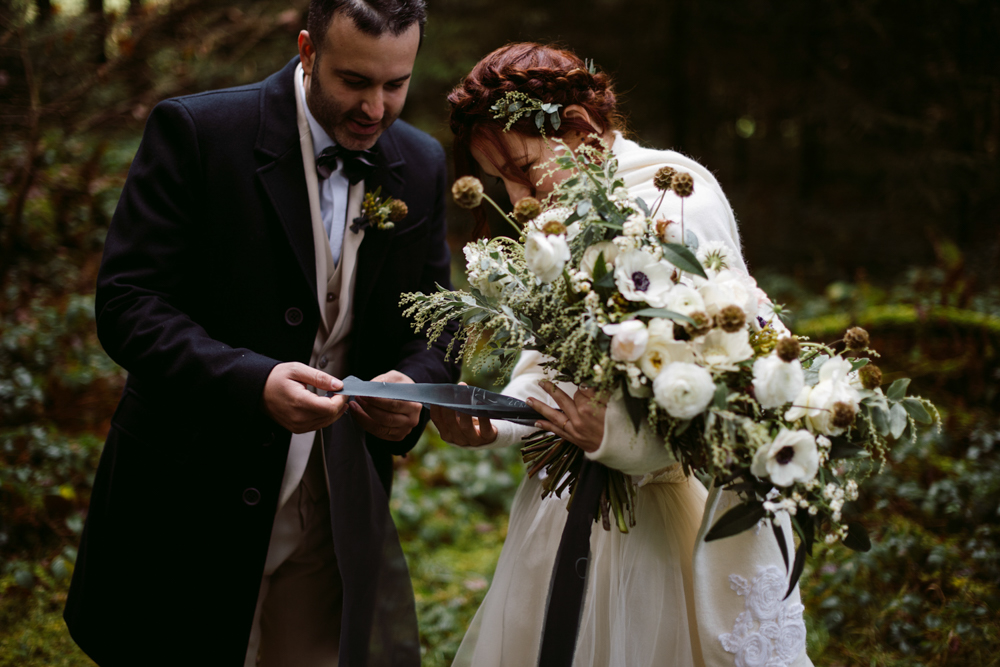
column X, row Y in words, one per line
column 385, row 418
column 296, row 408
column 461, row 429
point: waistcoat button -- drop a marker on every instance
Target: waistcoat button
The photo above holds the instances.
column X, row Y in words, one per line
column 293, row 316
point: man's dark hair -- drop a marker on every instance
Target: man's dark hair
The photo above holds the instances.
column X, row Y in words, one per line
column 374, row 17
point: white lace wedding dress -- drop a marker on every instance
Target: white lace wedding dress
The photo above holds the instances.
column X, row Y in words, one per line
column 658, row 595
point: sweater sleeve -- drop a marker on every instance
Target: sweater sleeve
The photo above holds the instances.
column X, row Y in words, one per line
column 624, row 449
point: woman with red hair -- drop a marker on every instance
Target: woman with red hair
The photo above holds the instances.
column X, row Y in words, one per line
column 659, row 595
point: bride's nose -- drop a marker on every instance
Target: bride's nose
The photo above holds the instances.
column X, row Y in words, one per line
column 517, row 191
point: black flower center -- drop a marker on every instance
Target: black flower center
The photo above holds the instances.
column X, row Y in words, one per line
column 641, row 281
column 785, row 454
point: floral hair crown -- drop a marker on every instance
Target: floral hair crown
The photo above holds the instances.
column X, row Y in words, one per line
column 515, row 105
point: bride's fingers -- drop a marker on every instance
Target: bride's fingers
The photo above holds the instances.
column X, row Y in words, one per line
column 548, row 413
column 563, row 399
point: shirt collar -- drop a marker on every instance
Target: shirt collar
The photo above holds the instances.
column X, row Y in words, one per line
column 321, row 139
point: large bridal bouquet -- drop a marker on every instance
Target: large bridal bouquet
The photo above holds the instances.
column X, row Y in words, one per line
column 621, row 300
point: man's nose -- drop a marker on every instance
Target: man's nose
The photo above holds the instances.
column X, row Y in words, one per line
column 374, row 104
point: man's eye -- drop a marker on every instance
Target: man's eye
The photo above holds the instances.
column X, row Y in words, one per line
column 394, row 85
column 355, row 83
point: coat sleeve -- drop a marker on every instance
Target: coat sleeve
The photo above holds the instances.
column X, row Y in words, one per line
column 142, row 319
column 416, row 360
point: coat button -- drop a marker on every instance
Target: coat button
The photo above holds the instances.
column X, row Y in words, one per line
column 293, row 316
column 251, row 496
column 330, row 296
column 323, row 362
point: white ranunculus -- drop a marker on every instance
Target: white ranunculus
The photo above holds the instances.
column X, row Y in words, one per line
column 640, row 277
column 684, row 390
column 776, row 382
column 591, row 254
column 628, row 340
column 546, row 255
column 684, row 300
column 728, row 288
column 791, row 457
column 480, row 267
column 816, row 403
column 721, row 351
column 662, row 349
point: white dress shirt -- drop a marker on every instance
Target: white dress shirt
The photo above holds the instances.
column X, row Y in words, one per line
column 332, row 190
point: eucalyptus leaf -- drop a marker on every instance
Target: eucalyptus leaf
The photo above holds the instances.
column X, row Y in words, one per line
column 664, row 313
column 719, row 399
column 540, row 119
column 643, row 206
column 691, row 240
column 556, row 120
column 600, row 267
column 811, row 374
column 898, row 389
column 897, row 420
column 583, row 208
column 857, row 364
column 881, row 418
column 682, row 258
column 917, row 410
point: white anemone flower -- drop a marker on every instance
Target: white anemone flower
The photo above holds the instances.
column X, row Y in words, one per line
column 640, row 277
column 716, row 256
column 791, row 457
column 721, row 351
column 683, row 390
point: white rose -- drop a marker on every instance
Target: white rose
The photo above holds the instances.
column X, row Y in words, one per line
column 767, row 594
column 791, row 640
column 640, row 277
column 791, row 457
column 591, row 254
column 684, row 300
column 628, row 340
column 776, row 382
column 684, row 390
column 721, row 351
column 546, row 255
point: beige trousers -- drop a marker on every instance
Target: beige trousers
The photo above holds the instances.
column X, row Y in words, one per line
column 297, row 621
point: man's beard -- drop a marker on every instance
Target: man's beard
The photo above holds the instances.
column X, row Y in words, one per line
column 333, row 118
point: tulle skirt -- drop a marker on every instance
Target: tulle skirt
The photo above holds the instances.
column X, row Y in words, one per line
column 639, row 603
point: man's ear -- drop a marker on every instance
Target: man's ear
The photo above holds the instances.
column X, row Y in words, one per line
column 307, row 52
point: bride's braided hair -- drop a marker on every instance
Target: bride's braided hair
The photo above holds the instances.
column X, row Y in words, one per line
column 547, row 73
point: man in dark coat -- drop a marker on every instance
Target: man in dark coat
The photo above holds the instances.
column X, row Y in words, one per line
column 212, row 294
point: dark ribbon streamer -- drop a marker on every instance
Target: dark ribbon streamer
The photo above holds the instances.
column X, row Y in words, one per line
column 569, row 574
column 379, row 619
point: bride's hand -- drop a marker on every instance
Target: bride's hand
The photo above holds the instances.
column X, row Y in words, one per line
column 581, row 420
column 462, row 429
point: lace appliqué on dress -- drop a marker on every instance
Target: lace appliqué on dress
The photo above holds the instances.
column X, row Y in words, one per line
column 770, row 631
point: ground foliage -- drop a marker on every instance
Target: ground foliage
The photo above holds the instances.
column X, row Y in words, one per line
column 818, row 115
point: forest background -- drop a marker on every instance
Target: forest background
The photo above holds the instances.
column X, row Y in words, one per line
column 858, row 141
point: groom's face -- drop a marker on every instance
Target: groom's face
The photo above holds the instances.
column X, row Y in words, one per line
column 357, row 81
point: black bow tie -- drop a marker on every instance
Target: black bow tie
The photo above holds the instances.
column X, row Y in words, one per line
column 357, row 164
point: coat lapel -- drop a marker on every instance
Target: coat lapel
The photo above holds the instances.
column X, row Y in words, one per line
column 388, row 176
column 281, row 172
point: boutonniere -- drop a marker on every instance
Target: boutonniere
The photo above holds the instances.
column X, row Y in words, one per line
column 379, row 214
